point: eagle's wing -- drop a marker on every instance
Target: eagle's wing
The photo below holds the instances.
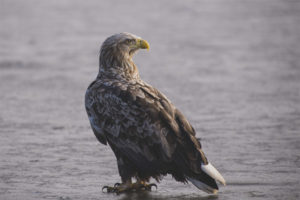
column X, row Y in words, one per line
column 92, row 107
column 141, row 123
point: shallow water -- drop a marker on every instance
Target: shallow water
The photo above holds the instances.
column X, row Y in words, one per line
column 232, row 67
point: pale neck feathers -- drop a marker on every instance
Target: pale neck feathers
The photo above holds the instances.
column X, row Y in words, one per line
column 116, row 63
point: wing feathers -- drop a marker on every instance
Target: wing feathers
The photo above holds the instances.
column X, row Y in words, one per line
column 142, row 125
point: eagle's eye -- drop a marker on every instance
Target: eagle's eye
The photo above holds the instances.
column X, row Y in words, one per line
column 129, row 41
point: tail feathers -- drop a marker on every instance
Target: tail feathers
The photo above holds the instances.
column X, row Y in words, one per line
column 202, row 186
column 207, row 181
column 210, row 170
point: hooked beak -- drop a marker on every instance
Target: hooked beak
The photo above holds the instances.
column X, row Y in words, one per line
column 143, row 44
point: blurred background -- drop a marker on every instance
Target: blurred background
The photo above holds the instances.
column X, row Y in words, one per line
column 232, row 67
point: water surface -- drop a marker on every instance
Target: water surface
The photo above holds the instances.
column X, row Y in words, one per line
column 232, row 67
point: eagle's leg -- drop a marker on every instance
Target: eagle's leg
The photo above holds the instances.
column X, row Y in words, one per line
column 126, row 172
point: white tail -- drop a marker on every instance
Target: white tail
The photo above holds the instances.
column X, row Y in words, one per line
column 210, row 170
column 202, row 186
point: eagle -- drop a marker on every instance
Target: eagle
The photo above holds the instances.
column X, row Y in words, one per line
column 149, row 136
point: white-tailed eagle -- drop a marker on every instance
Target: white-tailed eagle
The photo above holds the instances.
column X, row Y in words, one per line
column 148, row 134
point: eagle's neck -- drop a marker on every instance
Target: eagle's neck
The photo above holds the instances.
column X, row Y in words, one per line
column 117, row 66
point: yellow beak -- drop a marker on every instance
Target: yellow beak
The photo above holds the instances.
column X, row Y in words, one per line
column 143, row 44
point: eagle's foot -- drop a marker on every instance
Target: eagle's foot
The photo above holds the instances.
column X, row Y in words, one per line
column 108, row 189
column 144, row 186
column 117, row 188
column 132, row 187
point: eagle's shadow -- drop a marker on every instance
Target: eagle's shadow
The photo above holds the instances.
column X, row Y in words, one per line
column 150, row 196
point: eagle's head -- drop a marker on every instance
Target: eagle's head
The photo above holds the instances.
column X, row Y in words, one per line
column 116, row 54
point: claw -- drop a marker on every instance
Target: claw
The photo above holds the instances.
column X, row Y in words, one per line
column 108, row 189
column 117, row 184
column 153, row 185
column 105, row 187
column 148, row 187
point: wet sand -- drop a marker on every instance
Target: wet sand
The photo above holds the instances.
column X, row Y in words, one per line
column 232, row 67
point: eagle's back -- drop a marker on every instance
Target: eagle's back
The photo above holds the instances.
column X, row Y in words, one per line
column 142, row 125
column 120, row 110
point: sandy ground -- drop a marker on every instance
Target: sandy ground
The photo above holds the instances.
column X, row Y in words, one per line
column 232, row 67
